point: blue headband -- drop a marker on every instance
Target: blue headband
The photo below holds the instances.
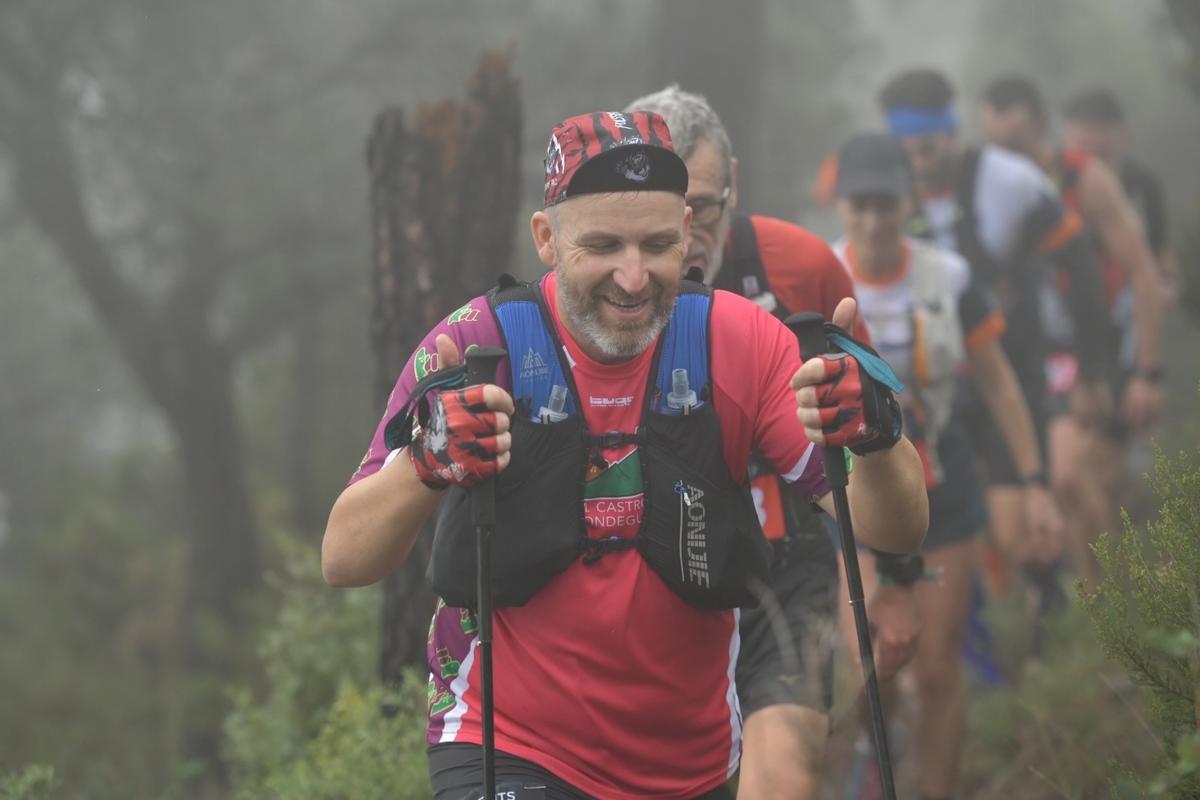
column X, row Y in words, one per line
column 907, row 121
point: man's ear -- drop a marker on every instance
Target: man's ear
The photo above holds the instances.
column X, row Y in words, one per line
column 542, row 230
column 732, row 182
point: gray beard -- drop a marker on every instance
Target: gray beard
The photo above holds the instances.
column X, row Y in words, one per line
column 612, row 344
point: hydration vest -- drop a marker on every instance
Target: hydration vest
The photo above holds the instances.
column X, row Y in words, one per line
column 743, row 273
column 699, row 530
column 937, row 351
column 1018, row 281
column 1067, row 172
column 966, row 223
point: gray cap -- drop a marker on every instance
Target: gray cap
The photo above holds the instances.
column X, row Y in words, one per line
column 873, row 163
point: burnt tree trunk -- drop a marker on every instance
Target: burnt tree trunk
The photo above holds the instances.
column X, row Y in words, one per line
column 443, row 202
column 718, row 49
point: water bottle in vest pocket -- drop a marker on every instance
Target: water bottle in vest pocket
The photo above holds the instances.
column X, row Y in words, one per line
column 937, row 351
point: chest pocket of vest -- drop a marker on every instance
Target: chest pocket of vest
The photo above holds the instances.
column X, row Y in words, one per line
column 539, row 527
column 701, row 534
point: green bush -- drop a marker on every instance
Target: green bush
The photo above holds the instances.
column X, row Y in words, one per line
column 315, row 728
column 32, row 783
column 1058, row 731
column 89, row 671
column 1147, row 614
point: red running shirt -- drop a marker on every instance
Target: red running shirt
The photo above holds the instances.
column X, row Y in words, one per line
column 606, row 678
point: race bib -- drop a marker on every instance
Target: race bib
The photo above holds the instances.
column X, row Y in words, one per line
column 769, row 505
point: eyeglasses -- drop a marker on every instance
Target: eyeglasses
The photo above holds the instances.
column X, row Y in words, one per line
column 708, row 212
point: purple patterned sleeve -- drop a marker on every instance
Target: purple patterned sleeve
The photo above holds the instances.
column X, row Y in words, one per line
column 472, row 324
column 809, row 476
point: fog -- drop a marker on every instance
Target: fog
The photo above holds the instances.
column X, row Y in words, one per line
column 187, row 376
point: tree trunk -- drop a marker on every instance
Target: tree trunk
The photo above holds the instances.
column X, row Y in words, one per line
column 443, row 198
column 185, row 373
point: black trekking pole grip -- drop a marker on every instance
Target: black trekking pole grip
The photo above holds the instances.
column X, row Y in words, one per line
column 809, row 329
column 481, row 368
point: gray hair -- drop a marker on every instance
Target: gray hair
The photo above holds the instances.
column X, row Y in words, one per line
column 690, row 119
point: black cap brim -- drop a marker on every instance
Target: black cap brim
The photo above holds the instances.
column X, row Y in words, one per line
column 631, row 168
column 895, row 182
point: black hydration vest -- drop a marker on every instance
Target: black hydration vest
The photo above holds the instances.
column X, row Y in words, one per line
column 699, row 530
column 1016, row 280
column 989, row 270
column 743, row 273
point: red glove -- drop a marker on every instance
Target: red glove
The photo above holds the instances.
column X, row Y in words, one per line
column 840, row 401
column 458, row 444
column 855, row 410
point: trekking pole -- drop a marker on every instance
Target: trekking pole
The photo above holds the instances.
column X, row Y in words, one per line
column 481, row 368
column 809, row 328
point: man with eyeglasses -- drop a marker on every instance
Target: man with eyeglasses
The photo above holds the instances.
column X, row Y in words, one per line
column 785, row 665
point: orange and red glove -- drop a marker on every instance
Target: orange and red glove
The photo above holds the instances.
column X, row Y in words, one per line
column 457, row 444
column 856, row 411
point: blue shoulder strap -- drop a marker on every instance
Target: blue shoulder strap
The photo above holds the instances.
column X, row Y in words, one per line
column 532, row 350
column 684, row 347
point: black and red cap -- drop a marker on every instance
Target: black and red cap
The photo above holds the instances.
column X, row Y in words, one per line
column 612, row 151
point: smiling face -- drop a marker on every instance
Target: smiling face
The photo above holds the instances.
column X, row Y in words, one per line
column 619, row 259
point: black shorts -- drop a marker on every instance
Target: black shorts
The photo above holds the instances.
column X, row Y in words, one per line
column 456, row 773
column 788, row 642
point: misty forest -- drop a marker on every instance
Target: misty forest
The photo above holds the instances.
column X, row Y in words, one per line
column 224, row 226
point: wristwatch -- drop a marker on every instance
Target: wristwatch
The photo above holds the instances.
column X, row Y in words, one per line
column 1038, row 478
column 1152, row 375
column 898, row 570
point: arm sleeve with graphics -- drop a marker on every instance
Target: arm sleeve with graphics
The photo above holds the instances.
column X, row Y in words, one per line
column 1060, row 234
column 472, row 324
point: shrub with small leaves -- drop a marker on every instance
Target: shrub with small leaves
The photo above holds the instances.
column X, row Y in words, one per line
column 32, row 783
column 317, row 728
column 1147, row 614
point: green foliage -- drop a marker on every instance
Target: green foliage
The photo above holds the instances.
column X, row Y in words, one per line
column 88, row 602
column 32, row 783
column 1147, row 614
column 1061, row 730
column 316, row 729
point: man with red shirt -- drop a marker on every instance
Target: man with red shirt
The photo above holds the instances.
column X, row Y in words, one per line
column 614, row 671
column 785, row 682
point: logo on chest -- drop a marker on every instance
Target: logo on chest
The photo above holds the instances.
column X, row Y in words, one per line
column 693, row 540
